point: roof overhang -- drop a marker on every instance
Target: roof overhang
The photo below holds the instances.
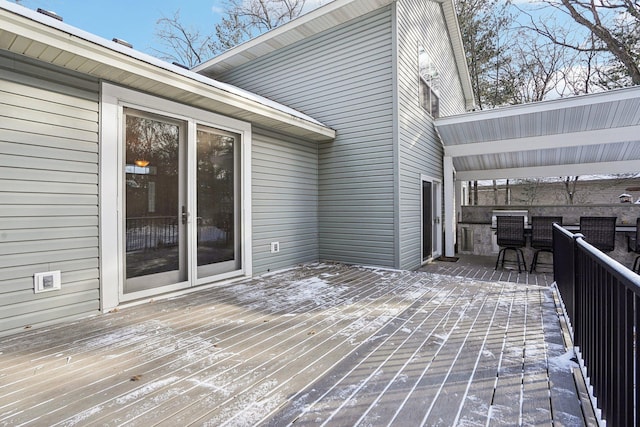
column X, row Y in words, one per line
column 583, row 135
column 324, row 18
column 38, row 36
column 451, row 19
column 318, row 20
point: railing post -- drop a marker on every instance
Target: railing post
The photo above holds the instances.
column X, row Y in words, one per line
column 564, row 268
column 577, row 296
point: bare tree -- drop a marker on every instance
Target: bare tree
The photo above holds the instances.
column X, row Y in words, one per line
column 245, row 19
column 242, row 20
column 510, row 63
column 182, row 44
column 534, row 71
column 584, row 74
column 475, row 193
column 495, row 192
column 507, row 193
column 570, row 188
column 263, row 15
column 530, row 188
column 612, row 27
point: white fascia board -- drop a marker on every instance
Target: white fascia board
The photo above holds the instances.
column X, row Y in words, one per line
column 451, row 20
column 285, row 28
column 542, row 106
column 572, row 169
column 542, row 142
column 36, row 27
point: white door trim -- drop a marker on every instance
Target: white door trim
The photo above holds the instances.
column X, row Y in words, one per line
column 436, row 190
column 113, row 100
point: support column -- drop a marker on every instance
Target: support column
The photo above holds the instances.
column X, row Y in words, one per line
column 449, row 208
column 458, row 203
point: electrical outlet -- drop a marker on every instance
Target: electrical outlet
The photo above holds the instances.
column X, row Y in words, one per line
column 45, row 282
column 275, row 247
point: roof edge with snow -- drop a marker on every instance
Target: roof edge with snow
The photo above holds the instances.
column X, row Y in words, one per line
column 35, row 35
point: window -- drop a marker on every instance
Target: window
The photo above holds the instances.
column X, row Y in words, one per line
column 429, row 78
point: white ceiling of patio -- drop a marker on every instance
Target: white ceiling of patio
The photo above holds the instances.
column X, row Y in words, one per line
column 583, row 135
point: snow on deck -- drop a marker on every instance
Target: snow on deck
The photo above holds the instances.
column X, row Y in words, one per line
column 321, row 344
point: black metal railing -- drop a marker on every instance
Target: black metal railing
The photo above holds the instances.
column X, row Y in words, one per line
column 155, row 232
column 564, row 266
column 601, row 298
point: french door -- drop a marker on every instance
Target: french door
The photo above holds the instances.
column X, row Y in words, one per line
column 181, row 202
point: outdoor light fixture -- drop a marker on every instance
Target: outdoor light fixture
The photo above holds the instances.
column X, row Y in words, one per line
column 142, row 163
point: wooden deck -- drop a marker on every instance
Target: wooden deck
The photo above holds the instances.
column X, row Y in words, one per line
column 483, row 268
column 317, row 345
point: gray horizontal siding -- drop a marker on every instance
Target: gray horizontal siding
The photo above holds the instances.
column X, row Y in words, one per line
column 420, row 23
column 43, row 257
column 48, row 193
column 344, row 78
column 284, row 201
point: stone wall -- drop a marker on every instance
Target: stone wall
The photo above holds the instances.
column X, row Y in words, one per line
column 626, row 212
column 475, row 235
column 587, row 192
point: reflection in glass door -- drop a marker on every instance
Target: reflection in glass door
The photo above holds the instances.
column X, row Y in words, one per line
column 218, row 243
column 155, row 202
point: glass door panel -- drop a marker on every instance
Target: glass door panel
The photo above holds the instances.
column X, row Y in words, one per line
column 427, row 220
column 217, row 202
column 154, row 202
column 435, row 218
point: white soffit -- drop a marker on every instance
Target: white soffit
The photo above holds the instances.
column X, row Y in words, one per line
column 589, row 134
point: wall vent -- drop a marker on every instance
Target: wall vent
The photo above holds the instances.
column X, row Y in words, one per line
column 275, row 247
column 45, row 282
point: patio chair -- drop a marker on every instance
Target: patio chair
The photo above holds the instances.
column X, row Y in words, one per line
column 510, row 236
column 599, row 231
column 633, row 245
column 542, row 236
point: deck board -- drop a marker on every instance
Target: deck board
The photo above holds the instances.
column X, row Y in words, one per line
column 483, row 268
column 322, row 344
column 505, row 403
column 536, row 399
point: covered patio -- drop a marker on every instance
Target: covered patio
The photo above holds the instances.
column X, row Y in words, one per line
column 320, row 344
column 596, row 134
column 591, row 135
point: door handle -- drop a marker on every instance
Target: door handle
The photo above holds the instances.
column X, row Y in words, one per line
column 185, row 215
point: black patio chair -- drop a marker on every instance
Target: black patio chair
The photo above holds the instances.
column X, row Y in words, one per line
column 510, row 236
column 633, row 245
column 599, row 231
column 542, row 236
